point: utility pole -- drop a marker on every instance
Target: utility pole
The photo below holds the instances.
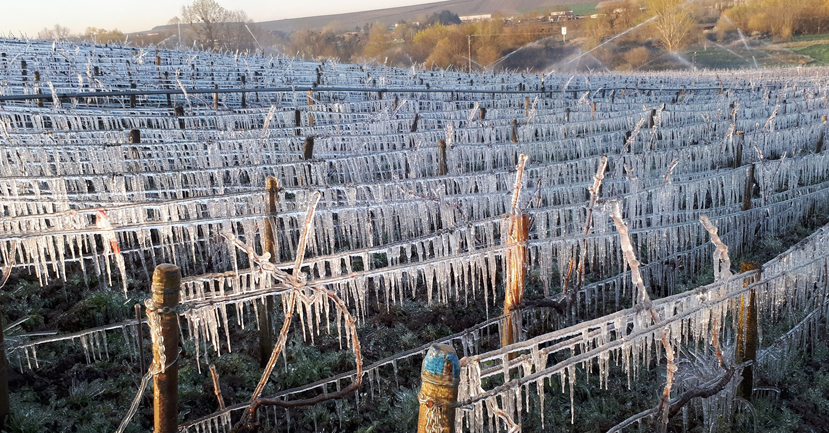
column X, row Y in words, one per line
column 469, row 51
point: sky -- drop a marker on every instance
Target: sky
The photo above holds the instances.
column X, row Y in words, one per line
column 31, row 16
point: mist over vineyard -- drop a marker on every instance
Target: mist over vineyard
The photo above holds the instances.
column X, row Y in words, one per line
column 607, row 251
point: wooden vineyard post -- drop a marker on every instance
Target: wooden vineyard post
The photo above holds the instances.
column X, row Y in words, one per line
column 738, row 149
column 443, row 166
column 269, row 239
column 310, row 114
column 746, row 349
column 514, row 133
column 244, row 94
column 179, row 110
column 133, row 86
column 215, row 97
column 163, row 320
column 38, row 91
column 4, row 380
column 516, row 273
column 439, row 376
column 749, row 187
column 308, row 148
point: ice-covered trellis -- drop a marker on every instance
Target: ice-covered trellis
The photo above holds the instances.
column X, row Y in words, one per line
column 399, row 217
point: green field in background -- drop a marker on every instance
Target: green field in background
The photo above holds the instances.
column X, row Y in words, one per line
column 583, row 8
column 819, row 52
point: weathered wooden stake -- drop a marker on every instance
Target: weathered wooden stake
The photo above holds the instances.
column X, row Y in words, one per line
column 443, row 167
column 308, row 148
column 135, row 136
column 215, row 97
column 4, row 380
column 165, row 298
column 310, row 114
column 749, row 188
column 747, row 337
column 269, row 239
column 133, row 86
column 244, row 94
column 414, row 122
column 440, row 376
column 38, row 90
column 738, row 148
column 514, row 134
column 179, row 110
column 515, row 278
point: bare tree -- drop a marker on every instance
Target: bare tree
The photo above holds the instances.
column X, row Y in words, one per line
column 56, row 32
column 207, row 19
column 672, row 22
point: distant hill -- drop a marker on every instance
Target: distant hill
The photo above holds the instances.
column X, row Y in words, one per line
column 408, row 13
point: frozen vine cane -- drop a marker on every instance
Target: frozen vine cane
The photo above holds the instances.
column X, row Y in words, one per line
column 722, row 263
column 645, row 302
column 594, row 195
column 298, row 284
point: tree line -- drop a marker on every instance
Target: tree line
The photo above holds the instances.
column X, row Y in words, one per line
column 638, row 28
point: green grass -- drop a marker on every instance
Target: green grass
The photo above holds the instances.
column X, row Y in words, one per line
column 718, row 58
column 819, row 52
column 583, row 8
column 812, row 37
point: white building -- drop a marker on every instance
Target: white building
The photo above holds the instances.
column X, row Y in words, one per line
column 475, row 18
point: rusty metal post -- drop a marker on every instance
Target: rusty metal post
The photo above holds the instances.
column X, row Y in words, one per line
column 439, row 376
column 4, row 380
column 443, row 166
column 515, row 278
column 269, row 240
column 164, row 326
column 747, row 337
